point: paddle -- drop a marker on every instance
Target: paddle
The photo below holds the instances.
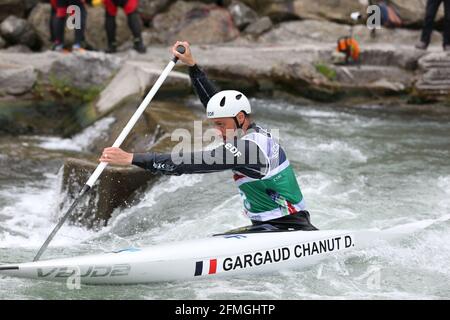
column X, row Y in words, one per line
column 98, row 171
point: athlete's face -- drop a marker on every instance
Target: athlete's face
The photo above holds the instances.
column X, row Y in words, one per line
column 225, row 127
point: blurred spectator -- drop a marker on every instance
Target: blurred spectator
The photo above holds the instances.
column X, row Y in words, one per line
column 390, row 18
column 134, row 23
column 430, row 14
column 52, row 20
column 59, row 22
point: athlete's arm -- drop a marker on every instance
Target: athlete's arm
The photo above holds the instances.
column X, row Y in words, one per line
column 202, row 86
column 242, row 155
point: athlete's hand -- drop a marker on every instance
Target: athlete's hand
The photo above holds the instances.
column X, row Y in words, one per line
column 186, row 57
column 116, row 156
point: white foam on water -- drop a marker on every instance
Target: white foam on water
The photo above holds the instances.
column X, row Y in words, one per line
column 321, row 142
column 443, row 182
column 151, row 197
column 339, row 147
column 80, row 141
column 30, row 217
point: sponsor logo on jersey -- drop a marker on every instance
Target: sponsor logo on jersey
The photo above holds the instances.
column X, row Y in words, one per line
column 233, row 150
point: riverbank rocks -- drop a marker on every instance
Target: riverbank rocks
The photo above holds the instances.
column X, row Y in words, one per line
column 199, row 23
column 331, row 10
column 242, row 14
column 11, row 7
column 78, row 70
column 434, row 82
column 149, row 8
column 314, row 31
column 16, row 79
column 412, row 12
column 259, row 26
column 85, row 70
column 116, row 187
column 18, row 31
column 308, row 70
column 73, row 80
column 135, row 78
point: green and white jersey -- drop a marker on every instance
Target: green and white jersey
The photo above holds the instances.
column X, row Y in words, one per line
column 277, row 193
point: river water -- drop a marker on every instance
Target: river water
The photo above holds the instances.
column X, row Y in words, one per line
column 370, row 167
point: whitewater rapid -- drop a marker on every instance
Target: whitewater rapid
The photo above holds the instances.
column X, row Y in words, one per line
column 358, row 169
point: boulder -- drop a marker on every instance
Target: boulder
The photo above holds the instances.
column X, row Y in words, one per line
column 153, row 129
column 307, row 31
column 18, row 31
column 29, row 5
column 120, row 186
column 2, row 43
column 16, row 79
column 258, row 27
column 95, row 30
column 18, row 48
column 116, row 187
column 71, row 82
column 434, row 81
column 392, row 78
column 412, row 12
column 84, row 70
column 42, row 61
column 332, row 10
column 11, row 7
column 134, row 79
column 349, row 81
column 315, row 31
column 31, row 116
column 195, row 22
column 150, row 8
column 39, row 19
column 278, row 10
column 242, row 14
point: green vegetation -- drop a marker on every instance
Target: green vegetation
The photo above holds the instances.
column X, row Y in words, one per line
column 63, row 89
column 60, row 89
column 326, row 71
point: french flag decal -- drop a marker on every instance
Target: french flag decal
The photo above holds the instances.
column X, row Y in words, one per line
column 205, row 267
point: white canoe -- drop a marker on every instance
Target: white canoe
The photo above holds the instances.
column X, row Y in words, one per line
column 223, row 255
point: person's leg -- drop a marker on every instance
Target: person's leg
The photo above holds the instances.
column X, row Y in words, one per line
column 430, row 14
column 135, row 26
column 134, row 23
column 59, row 24
column 446, row 34
column 52, row 20
column 110, row 25
column 79, row 33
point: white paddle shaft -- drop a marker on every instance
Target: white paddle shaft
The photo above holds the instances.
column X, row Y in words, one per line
column 122, row 136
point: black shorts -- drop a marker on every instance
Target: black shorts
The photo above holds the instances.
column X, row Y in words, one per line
column 295, row 221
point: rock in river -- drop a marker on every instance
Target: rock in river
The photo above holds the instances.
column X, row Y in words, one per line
column 116, row 187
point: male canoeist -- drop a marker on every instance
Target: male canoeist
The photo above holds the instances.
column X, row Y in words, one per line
column 264, row 176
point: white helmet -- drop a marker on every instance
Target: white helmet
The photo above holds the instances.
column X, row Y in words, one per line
column 227, row 103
